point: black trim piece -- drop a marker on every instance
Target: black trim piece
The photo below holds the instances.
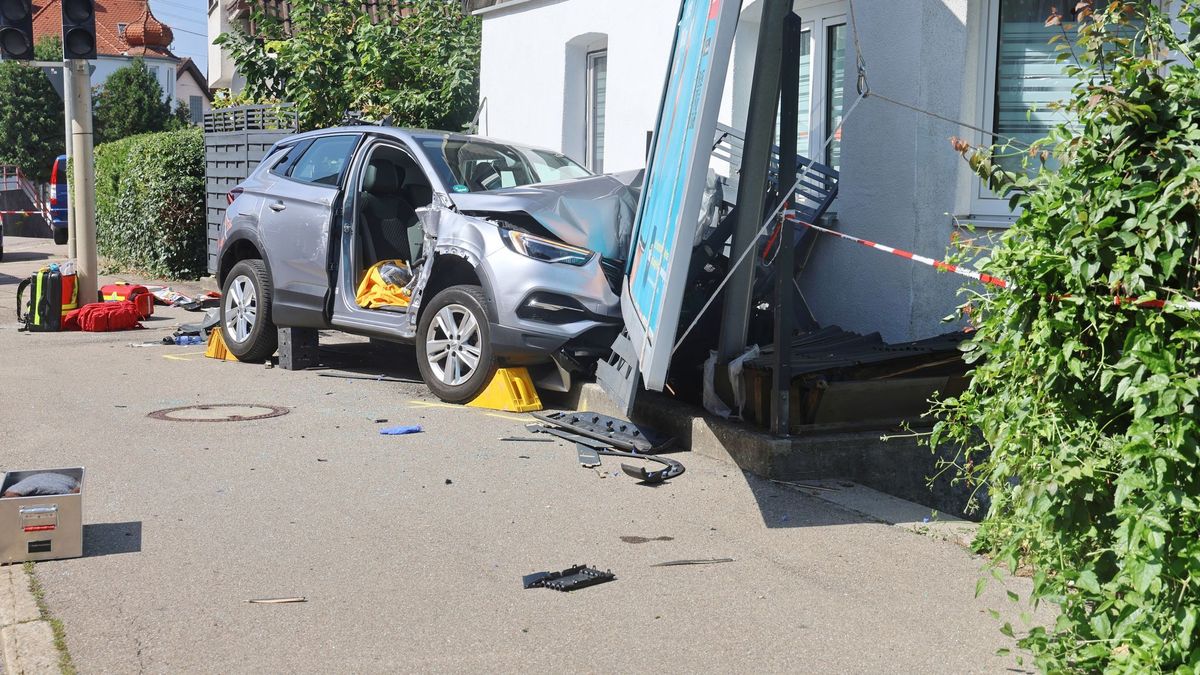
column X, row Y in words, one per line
column 572, row 578
column 608, row 430
column 294, row 152
column 674, row 469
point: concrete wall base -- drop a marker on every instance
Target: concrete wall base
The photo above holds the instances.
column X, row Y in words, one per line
column 900, row 466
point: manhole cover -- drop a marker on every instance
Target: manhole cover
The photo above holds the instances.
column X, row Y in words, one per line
column 219, row 412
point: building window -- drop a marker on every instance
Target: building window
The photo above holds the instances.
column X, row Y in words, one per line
column 121, row 29
column 1028, row 75
column 822, row 80
column 196, row 108
column 835, row 81
column 1022, row 77
column 597, row 95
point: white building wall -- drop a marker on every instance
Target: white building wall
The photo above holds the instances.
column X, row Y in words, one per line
column 163, row 70
column 186, row 88
column 900, row 176
column 221, row 72
column 901, row 182
column 534, row 72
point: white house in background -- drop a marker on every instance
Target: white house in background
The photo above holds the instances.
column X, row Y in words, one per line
column 191, row 88
column 586, row 77
column 125, row 30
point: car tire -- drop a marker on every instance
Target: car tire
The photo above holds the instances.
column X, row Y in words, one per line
column 246, row 324
column 453, row 332
column 60, row 236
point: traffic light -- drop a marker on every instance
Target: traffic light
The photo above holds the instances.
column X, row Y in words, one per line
column 16, row 29
column 79, row 29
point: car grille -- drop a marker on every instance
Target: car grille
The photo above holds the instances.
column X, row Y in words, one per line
column 614, row 271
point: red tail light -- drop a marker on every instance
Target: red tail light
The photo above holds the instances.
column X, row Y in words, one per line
column 54, row 184
column 233, row 194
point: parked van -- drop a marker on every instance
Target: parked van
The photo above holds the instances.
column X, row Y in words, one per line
column 58, row 200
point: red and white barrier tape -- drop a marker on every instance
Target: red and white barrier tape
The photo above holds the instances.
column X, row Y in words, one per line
column 976, row 275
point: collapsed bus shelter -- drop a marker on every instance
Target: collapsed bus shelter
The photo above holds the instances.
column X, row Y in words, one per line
column 746, row 263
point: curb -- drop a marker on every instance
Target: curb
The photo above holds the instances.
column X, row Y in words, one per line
column 27, row 639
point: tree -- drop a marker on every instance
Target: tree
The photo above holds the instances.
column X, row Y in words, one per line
column 131, row 102
column 420, row 66
column 1082, row 418
column 49, row 48
column 181, row 117
column 31, row 120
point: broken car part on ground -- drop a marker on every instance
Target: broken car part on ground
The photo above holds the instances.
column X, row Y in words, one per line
column 589, row 448
column 570, row 579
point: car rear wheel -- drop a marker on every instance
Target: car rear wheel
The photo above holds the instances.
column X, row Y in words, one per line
column 246, row 324
column 454, row 349
column 60, row 236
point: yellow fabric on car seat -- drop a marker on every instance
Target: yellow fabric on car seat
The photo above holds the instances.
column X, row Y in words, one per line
column 374, row 291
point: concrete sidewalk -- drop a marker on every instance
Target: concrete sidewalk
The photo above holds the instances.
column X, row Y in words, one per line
column 410, row 550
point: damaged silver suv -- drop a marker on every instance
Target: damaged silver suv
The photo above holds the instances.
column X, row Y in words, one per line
column 515, row 254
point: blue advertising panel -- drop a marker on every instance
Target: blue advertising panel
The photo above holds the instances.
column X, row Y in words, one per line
column 665, row 229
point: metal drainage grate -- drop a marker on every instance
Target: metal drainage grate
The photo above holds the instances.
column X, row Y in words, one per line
column 219, row 412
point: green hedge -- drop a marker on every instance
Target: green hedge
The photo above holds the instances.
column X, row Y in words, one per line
column 150, row 203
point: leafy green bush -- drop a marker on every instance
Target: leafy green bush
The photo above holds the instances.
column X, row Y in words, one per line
column 1082, row 418
column 150, row 203
column 420, row 65
column 31, row 120
column 131, row 102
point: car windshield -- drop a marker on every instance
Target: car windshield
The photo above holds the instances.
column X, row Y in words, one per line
column 475, row 165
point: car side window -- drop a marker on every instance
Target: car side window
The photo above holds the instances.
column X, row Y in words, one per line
column 324, row 161
column 289, row 157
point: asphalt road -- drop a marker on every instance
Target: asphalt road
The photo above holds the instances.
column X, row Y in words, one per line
column 410, row 550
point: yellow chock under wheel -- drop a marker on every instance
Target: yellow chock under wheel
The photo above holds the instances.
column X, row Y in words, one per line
column 510, row 390
column 216, row 348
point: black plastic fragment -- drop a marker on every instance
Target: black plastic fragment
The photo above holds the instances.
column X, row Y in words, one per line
column 570, row 579
column 615, row 432
column 588, row 456
column 674, row 469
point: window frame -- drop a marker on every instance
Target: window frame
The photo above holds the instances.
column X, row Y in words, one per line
column 819, row 66
column 983, row 203
column 589, row 114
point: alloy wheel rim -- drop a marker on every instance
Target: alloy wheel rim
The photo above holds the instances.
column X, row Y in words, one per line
column 241, row 309
column 453, row 347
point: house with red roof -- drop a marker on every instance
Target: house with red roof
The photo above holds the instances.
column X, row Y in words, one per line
column 125, row 30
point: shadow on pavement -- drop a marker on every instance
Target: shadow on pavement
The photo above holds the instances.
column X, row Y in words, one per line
column 783, row 506
column 25, row 256
column 368, row 361
column 102, row 539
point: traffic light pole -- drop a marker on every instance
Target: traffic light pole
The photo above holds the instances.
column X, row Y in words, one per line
column 83, row 202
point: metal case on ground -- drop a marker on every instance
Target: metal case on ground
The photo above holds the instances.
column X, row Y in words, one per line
column 44, row 527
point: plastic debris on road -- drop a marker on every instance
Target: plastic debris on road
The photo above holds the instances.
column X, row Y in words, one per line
column 400, row 431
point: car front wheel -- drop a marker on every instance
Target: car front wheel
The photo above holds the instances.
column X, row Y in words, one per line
column 454, row 350
column 246, row 322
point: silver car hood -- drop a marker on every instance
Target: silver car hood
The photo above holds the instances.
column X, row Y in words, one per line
column 595, row 213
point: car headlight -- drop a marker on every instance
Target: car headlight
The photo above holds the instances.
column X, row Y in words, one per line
column 545, row 250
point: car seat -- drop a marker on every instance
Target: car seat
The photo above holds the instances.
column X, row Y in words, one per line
column 385, row 212
column 418, row 195
column 482, row 174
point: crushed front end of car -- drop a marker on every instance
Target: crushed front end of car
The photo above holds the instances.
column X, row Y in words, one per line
column 551, row 258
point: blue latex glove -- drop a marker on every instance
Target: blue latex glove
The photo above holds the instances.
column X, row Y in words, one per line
column 400, row 431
